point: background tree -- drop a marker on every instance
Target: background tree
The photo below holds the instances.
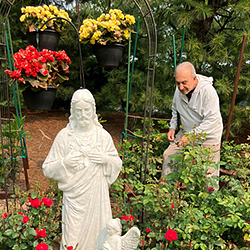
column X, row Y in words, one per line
column 213, row 39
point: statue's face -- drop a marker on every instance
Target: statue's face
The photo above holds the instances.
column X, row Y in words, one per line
column 83, row 114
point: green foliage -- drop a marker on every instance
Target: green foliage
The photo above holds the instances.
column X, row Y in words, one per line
column 35, row 211
column 185, row 201
column 12, row 148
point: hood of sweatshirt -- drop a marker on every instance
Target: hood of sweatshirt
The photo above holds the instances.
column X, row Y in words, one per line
column 203, row 81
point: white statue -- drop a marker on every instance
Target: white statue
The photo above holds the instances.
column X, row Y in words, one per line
column 84, row 161
column 115, row 241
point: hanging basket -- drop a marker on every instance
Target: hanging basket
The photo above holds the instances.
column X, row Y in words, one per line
column 108, row 55
column 39, row 100
column 47, row 39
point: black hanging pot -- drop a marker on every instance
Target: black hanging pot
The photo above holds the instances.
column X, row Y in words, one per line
column 47, row 39
column 108, row 55
column 40, row 100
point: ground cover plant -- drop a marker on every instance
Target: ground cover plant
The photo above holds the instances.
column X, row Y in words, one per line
column 184, row 210
column 33, row 222
column 181, row 211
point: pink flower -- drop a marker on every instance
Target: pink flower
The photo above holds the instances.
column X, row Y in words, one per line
column 172, row 206
column 48, row 202
column 35, row 203
column 148, row 230
column 143, row 242
column 40, row 233
column 69, row 248
column 210, row 189
column 25, row 219
column 171, row 235
column 42, row 246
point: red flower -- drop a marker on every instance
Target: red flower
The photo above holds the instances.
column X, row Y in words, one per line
column 48, row 202
column 35, row 203
column 25, row 219
column 20, row 213
column 210, row 189
column 143, row 242
column 190, row 244
column 171, row 235
column 40, row 233
column 42, row 246
column 148, row 230
column 4, row 215
column 69, row 248
column 172, row 206
column 127, row 218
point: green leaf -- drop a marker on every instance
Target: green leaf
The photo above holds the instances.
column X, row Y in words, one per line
column 8, row 232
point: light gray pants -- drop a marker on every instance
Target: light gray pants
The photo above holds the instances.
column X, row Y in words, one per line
column 173, row 149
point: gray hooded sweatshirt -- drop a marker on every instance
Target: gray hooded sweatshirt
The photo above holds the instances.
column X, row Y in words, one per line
column 202, row 111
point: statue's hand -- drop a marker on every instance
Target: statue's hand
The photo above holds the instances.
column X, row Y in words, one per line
column 72, row 159
column 98, row 157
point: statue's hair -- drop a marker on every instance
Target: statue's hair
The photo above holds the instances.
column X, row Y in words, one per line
column 116, row 224
column 86, row 96
column 186, row 65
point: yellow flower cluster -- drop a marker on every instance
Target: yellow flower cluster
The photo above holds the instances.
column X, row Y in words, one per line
column 37, row 16
column 108, row 28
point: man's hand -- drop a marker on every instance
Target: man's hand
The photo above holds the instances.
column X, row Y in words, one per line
column 183, row 140
column 171, row 133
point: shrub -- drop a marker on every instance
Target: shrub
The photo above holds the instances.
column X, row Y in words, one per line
column 183, row 210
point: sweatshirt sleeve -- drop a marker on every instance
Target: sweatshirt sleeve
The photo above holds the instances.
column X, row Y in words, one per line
column 173, row 121
column 211, row 118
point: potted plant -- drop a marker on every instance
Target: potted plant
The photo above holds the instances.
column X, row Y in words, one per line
column 108, row 34
column 39, row 74
column 34, row 17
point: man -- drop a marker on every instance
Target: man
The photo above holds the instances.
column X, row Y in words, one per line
column 84, row 161
column 197, row 103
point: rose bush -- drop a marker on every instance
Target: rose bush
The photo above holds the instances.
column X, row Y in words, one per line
column 39, row 69
column 33, row 222
column 183, row 210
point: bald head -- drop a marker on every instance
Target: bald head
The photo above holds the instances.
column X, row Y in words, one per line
column 185, row 77
column 187, row 66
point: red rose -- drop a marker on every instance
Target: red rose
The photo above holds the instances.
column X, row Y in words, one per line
column 35, row 203
column 69, row 248
column 125, row 217
column 48, row 202
column 171, row 235
column 40, row 233
column 4, row 215
column 148, row 230
column 25, row 219
column 210, row 189
column 42, row 246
